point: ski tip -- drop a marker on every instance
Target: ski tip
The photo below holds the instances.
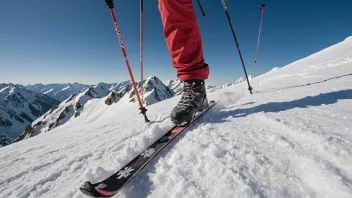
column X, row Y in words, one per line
column 88, row 189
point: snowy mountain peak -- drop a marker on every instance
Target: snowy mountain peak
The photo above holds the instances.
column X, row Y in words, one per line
column 19, row 107
column 154, row 91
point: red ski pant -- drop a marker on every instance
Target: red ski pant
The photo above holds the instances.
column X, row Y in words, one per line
column 183, row 39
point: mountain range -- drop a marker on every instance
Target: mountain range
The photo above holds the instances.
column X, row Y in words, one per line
column 26, row 111
column 18, row 108
column 58, row 91
column 78, row 103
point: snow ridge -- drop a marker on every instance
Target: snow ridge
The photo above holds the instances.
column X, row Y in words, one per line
column 155, row 91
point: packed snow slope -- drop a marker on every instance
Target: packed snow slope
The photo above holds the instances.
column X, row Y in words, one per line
column 291, row 138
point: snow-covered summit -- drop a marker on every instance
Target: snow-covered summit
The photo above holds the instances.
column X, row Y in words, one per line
column 154, row 91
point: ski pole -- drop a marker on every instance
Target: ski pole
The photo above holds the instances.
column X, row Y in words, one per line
column 201, row 7
column 238, row 46
column 260, row 29
column 141, row 43
column 110, row 5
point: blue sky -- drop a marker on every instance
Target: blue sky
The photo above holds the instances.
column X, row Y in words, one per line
column 75, row 41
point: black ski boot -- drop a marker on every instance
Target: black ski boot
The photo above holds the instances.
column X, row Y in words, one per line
column 193, row 99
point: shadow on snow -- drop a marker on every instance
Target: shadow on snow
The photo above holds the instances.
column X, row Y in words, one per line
column 274, row 107
column 303, row 85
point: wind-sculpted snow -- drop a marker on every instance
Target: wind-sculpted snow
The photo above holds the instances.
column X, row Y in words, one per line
column 291, row 138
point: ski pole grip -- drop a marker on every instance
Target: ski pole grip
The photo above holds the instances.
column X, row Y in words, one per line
column 262, row 6
column 109, row 3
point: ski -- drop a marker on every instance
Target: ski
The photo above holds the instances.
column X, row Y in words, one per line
column 113, row 184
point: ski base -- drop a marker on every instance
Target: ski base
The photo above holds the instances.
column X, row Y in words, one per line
column 112, row 185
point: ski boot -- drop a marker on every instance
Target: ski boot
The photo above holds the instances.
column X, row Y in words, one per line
column 193, row 99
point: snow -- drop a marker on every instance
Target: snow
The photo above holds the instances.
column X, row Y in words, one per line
column 291, row 138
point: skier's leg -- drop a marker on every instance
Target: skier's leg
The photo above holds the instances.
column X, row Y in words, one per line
column 184, row 42
column 183, row 39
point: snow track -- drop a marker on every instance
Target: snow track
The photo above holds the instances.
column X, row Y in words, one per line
column 291, row 138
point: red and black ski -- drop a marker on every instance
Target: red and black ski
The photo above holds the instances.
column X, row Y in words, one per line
column 112, row 185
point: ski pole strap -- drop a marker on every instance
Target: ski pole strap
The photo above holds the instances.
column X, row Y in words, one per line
column 109, row 3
